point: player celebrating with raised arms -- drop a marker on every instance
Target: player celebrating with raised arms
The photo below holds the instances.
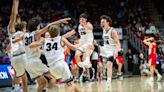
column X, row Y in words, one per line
column 53, row 48
column 111, row 44
column 35, row 67
column 85, row 30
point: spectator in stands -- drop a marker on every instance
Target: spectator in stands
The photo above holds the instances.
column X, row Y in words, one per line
column 2, row 40
column 1, row 55
column 6, row 59
column 96, row 62
column 144, row 68
column 129, row 57
column 152, row 28
column 158, row 66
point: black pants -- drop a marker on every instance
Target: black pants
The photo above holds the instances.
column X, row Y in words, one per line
column 130, row 66
column 158, row 67
column 94, row 65
column 136, row 70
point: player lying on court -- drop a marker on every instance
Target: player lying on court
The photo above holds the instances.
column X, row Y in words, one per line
column 53, row 48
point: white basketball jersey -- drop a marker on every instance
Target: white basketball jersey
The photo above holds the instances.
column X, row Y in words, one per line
column 109, row 45
column 18, row 47
column 29, row 37
column 53, row 50
column 86, row 36
column 108, row 40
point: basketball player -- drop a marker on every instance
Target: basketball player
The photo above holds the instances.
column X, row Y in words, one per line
column 85, row 30
column 111, row 44
column 35, row 67
column 150, row 42
column 47, row 35
column 74, row 66
column 53, row 48
column 16, row 51
column 42, row 57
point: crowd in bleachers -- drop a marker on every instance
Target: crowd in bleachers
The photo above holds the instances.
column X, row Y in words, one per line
column 124, row 13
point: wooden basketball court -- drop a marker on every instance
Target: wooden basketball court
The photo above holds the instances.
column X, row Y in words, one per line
column 130, row 84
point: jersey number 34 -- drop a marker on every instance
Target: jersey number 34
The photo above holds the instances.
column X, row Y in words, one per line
column 51, row 46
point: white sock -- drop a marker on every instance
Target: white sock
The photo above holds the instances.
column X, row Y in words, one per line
column 47, row 89
column 119, row 73
column 109, row 79
column 158, row 75
column 16, row 86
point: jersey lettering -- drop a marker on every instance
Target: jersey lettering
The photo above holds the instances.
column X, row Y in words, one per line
column 50, row 46
column 106, row 42
column 82, row 31
column 28, row 40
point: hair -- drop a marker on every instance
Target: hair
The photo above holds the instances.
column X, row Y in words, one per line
column 83, row 15
column 153, row 41
column 54, row 31
column 33, row 23
column 107, row 18
column 20, row 26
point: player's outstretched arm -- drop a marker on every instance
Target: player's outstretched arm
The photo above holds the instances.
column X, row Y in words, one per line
column 14, row 12
column 19, row 38
column 36, row 43
column 68, row 44
column 69, row 34
column 42, row 31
